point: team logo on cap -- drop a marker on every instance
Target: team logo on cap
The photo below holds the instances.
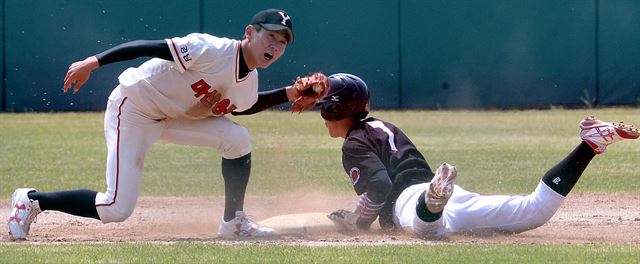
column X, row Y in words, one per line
column 285, row 17
column 354, row 173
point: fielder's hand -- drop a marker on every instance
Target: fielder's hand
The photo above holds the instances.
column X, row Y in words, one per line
column 79, row 73
column 309, row 90
column 346, row 218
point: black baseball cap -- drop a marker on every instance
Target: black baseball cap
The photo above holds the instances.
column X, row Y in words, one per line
column 274, row 20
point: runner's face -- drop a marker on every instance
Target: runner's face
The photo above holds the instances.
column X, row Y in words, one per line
column 338, row 128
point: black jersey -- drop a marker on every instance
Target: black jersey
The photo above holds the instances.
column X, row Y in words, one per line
column 382, row 161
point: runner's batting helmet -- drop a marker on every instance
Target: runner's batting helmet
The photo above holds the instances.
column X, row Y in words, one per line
column 348, row 97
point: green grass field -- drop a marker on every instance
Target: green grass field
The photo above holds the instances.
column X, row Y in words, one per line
column 503, row 152
column 213, row 253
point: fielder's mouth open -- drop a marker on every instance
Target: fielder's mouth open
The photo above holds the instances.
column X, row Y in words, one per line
column 268, row 55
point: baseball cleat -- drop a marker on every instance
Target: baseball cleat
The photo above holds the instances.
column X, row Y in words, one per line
column 441, row 188
column 23, row 213
column 599, row 134
column 243, row 227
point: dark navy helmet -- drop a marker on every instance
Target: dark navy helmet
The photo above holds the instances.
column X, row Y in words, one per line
column 348, row 97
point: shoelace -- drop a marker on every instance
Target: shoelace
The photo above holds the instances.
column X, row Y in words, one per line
column 35, row 217
column 247, row 221
column 440, row 189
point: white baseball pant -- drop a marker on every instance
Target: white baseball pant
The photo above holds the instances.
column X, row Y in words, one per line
column 471, row 212
column 129, row 135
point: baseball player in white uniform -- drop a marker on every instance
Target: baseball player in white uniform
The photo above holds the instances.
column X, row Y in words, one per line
column 395, row 183
column 181, row 95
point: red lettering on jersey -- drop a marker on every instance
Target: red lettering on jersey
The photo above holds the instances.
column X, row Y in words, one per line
column 214, row 98
column 200, row 87
column 211, row 98
column 222, row 107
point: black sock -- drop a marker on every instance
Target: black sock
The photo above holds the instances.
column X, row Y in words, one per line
column 562, row 177
column 236, row 177
column 76, row 202
column 423, row 213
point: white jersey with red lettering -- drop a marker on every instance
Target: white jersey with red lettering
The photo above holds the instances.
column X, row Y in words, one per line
column 181, row 101
column 201, row 81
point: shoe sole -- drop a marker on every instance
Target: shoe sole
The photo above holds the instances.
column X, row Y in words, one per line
column 446, row 179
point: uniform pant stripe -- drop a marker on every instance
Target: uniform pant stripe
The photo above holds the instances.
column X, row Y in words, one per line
column 117, row 156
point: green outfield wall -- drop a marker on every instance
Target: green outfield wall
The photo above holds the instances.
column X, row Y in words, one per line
column 619, row 52
column 2, row 62
column 412, row 53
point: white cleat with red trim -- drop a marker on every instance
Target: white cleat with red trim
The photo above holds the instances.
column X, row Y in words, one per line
column 23, row 213
column 243, row 227
column 599, row 134
column 441, row 188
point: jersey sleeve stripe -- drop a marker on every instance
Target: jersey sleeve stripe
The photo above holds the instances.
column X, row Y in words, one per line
column 380, row 125
column 175, row 51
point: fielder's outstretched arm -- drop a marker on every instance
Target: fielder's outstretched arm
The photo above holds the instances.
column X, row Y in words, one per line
column 79, row 71
column 304, row 93
column 268, row 99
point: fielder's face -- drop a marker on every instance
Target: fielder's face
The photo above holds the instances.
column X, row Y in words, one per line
column 265, row 46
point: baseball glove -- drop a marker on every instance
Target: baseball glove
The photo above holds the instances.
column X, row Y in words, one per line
column 309, row 89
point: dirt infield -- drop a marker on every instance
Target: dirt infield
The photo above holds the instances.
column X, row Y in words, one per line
column 582, row 219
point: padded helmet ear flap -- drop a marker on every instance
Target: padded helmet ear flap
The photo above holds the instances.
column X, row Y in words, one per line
column 333, row 111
